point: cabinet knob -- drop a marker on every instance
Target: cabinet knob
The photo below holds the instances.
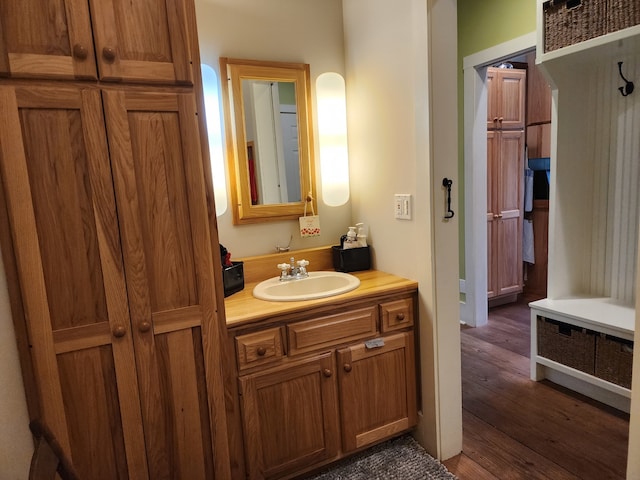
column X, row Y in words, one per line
column 144, row 327
column 400, row 316
column 327, row 373
column 80, row 51
column 109, row 54
column 261, row 351
column 119, row 331
column 500, row 119
column 347, row 367
column 495, row 119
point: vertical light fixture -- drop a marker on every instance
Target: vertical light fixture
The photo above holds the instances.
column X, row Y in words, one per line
column 332, row 130
column 214, row 131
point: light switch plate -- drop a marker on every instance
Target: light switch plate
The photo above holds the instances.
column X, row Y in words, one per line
column 402, row 206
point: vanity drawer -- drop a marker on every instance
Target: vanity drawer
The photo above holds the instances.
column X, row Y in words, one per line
column 259, row 348
column 332, row 330
column 396, row 315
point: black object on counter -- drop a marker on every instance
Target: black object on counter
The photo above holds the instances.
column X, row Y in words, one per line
column 232, row 273
column 351, row 259
column 233, row 278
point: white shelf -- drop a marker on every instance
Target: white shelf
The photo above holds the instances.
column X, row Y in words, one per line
column 600, row 314
column 621, row 42
column 585, row 377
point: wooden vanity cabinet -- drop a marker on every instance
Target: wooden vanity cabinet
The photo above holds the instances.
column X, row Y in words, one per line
column 133, row 41
column 377, row 390
column 340, row 384
column 290, row 416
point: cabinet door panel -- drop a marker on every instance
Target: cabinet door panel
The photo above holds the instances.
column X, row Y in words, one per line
column 163, row 219
column 46, row 39
column 512, row 84
column 505, row 164
column 377, row 390
column 492, row 100
column 509, row 229
column 145, row 40
column 290, row 417
column 59, row 195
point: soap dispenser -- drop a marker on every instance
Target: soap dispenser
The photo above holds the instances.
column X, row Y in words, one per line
column 352, row 239
column 362, row 235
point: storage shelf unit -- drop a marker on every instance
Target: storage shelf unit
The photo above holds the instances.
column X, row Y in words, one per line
column 594, row 203
column 596, row 314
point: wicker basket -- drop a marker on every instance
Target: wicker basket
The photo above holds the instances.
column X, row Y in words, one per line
column 622, row 14
column 614, row 359
column 571, row 21
column 567, row 344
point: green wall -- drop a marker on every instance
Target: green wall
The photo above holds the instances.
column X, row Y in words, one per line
column 483, row 24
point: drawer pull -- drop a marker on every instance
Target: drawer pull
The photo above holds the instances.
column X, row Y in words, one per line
column 327, row 373
column 375, row 343
column 347, row 367
column 80, row 51
column 119, row 331
column 109, row 54
column 400, row 317
column 261, row 351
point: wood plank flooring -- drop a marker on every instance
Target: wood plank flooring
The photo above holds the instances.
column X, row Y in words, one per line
column 515, row 428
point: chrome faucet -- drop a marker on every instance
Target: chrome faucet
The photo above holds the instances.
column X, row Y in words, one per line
column 293, row 270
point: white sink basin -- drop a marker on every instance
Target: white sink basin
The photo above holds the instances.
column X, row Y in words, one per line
column 316, row 285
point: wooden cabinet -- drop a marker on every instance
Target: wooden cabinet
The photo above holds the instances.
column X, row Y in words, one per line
column 141, row 41
column 505, row 164
column 338, row 385
column 538, row 96
column 377, row 390
column 106, row 238
column 117, row 285
column 290, row 416
column 505, row 104
column 505, row 179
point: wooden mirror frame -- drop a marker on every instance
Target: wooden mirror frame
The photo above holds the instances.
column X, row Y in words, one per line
column 236, row 145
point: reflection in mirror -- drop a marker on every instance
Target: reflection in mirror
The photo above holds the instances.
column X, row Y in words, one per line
column 271, row 124
column 269, row 141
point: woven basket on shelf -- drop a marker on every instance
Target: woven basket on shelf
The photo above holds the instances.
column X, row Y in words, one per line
column 614, row 360
column 567, row 344
column 622, row 14
column 571, row 21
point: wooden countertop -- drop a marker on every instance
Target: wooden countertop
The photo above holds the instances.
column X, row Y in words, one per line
column 243, row 308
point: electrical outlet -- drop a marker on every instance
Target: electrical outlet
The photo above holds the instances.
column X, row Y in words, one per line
column 402, row 206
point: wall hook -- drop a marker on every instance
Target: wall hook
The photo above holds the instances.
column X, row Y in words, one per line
column 628, row 86
column 446, row 183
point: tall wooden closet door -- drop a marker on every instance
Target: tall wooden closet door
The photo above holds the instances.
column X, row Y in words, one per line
column 142, row 40
column 510, row 204
column 46, row 39
column 493, row 212
column 59, row 196
column 168, row 262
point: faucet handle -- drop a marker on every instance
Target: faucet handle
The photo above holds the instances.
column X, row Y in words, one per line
column 303, row 263
column 284, row 266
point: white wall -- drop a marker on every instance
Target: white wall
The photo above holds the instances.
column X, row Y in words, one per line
column 308, row 31
column 401, row 70
column 16, row 445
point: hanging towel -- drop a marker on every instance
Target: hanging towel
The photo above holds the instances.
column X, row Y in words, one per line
column 528, row 190
column 527, row 242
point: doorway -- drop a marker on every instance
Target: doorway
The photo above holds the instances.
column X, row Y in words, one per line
column 474, row 309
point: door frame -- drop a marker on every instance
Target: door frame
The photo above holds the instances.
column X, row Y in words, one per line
column 474, row 308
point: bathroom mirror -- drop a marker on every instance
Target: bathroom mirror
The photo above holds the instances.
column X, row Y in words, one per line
column 268, row 130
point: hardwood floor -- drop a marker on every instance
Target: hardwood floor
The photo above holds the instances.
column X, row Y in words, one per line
column 515, row 428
